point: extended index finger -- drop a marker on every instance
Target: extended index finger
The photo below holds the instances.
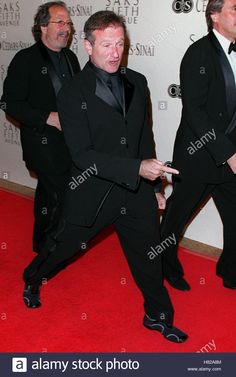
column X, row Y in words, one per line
column 166, row 169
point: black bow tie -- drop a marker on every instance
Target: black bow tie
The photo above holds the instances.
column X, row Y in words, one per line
column 232, row 47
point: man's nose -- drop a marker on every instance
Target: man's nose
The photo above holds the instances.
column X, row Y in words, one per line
column 67, row 27
column 115, row 52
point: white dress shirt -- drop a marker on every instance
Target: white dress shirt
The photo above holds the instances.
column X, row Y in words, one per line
column 225, row 43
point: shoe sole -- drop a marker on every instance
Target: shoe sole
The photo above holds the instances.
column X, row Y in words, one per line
column 171, row 337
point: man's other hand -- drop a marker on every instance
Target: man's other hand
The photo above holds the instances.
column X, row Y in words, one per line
column 53, row 120
column 161, row 200
column 232, row 163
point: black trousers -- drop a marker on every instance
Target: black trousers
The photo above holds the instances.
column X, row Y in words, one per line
column 186, row 198
column 137, row 234
column 48, row 204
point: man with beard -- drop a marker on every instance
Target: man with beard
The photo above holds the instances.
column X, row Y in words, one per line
column 34, row 78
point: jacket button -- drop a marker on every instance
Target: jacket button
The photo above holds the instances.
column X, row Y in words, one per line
column 220, row 114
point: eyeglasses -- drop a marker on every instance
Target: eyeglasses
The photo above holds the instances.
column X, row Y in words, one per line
column 61, row 23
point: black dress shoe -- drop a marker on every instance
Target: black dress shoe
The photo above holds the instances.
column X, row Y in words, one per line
column 170, row 333
column 180, row 284
column 31, row 296
column 228, row 284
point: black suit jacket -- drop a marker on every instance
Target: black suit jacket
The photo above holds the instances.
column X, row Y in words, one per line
column 29, row 92
column 106, row 143
column 209, row 100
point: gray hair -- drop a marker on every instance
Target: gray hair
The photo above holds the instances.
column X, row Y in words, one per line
column 213, row 6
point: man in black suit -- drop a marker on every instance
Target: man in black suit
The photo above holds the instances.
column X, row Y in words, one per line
column 34, row 78
column 103, row 112
column 205, row 145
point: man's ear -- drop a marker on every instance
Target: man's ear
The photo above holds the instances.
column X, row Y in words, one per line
column 88, row 47
column 215, row 17
column 43, row 29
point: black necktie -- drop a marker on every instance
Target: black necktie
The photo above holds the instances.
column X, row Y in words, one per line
column 232, row 47
column 114, row 84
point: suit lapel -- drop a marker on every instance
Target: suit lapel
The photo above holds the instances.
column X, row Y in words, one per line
column 128, row 93
column 71, row 70
column 56, row 82
column 227, row 73
column 104, row 93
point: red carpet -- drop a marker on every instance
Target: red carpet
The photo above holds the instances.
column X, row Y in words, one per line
column 94, row 305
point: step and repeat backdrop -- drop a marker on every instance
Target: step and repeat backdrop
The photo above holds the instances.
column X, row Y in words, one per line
column 159, row 32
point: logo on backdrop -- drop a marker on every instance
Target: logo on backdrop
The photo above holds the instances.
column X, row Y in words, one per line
column 14, row 46
column 80, row 10
column 3, row 71
column 186, row 6
column 174, row 91
column 129, row 9
column 11, row 134
column 75, row 43
column 9, row 13
column 182, row 6
column 140, row 49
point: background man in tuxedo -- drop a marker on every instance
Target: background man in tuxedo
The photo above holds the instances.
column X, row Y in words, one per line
column 34, row 78
column 103, row 112
column 205, row 145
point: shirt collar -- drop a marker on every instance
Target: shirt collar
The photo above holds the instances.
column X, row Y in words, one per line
column 224, row 42
column 103, row 74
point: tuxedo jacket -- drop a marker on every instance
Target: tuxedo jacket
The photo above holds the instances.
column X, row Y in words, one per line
column 30, row 91
column 107, row 144
column 208, row 91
